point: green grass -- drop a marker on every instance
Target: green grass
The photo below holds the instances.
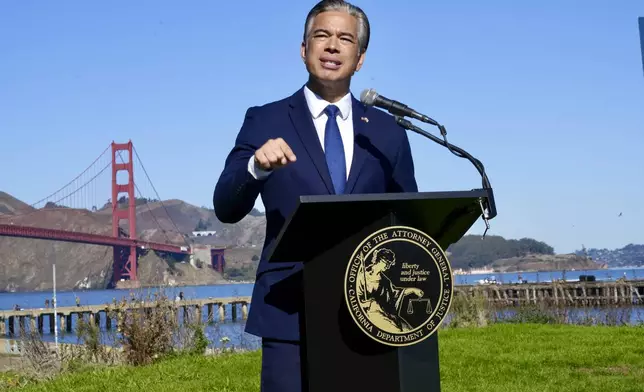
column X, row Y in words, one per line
column 520, row 357
column 504, row 357
column 227, row 373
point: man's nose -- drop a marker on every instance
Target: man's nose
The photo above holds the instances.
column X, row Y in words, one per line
column 332, row 44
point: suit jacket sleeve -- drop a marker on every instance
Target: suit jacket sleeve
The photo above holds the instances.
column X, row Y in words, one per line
column 403, row 178
column 237, row 190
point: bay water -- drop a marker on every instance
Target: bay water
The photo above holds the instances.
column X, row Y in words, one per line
column 234, row 331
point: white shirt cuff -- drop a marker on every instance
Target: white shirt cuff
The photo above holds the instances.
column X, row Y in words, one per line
column 257, row 172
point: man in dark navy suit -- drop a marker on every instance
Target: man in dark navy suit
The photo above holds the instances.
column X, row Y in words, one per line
column 320, row 140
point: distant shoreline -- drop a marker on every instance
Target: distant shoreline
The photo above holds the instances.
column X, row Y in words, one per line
column 237, row 282
column 69, row 290
column 559, row 270
column 246, row 282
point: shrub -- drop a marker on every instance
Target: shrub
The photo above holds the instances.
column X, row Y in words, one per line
column 469, row 310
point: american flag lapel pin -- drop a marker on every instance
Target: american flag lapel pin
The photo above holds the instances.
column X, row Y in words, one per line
column 364, row 119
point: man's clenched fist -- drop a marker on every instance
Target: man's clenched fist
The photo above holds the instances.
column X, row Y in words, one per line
column 275, row 153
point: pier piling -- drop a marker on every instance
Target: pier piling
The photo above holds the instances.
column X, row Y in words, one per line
column 583, row 293
column 93, row 314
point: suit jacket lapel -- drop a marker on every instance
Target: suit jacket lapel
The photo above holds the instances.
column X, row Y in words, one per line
column 360, row 134
column 303, row 123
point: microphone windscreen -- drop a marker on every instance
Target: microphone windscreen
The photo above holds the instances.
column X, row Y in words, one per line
column 368, row 96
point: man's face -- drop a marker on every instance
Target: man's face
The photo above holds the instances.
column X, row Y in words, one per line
column 331, row 51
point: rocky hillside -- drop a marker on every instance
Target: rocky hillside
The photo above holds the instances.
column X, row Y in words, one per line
column 25, row 264
column 9, row 205
column 175, row 220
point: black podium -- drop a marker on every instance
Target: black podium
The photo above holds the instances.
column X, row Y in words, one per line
column 323, row 233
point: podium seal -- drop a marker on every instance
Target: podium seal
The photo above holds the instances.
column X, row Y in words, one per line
column 398, row 286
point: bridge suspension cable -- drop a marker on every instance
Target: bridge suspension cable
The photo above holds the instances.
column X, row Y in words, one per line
column 85, row 190
column 79, row 193
column 91, row 165
column 145, row 200
column 158, row 199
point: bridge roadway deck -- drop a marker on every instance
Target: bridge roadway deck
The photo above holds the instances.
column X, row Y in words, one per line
column 11, row 230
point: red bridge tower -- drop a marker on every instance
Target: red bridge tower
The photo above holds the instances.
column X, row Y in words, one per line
column 125, row 258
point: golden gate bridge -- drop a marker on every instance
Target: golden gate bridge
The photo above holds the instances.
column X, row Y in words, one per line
column 80, row 193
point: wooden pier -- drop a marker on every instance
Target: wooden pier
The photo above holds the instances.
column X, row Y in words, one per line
column 560, row 293
column 94, row 313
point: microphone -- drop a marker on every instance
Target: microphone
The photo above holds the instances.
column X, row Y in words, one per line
column 371, row 98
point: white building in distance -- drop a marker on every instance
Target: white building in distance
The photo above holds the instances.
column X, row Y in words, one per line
column 203, row 233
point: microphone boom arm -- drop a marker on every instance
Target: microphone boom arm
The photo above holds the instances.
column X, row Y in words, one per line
column 488, row 206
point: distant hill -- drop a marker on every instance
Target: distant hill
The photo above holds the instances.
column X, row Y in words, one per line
column 11, row 205
column 541, row 262
column 473, row 252
column 629, row 256
column 25, row 264
column 509, row 255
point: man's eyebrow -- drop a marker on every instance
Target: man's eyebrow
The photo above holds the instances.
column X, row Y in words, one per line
column 321, row 30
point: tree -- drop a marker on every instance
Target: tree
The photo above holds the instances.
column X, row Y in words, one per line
column 124, row 200
column 201, row 225
column 472, row 252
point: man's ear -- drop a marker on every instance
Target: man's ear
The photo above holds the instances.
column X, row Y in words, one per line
column 303, row 51
column 360, row 61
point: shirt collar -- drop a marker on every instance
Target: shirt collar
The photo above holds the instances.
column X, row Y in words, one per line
column 317, row 104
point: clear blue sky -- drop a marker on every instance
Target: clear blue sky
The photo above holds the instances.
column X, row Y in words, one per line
column 548, row 94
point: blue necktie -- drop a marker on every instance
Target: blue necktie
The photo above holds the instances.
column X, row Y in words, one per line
column 334, row 150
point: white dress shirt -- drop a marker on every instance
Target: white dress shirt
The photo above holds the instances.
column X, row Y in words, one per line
column 316, row 108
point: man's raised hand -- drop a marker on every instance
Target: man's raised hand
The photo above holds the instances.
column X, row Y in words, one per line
column 275, row 153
